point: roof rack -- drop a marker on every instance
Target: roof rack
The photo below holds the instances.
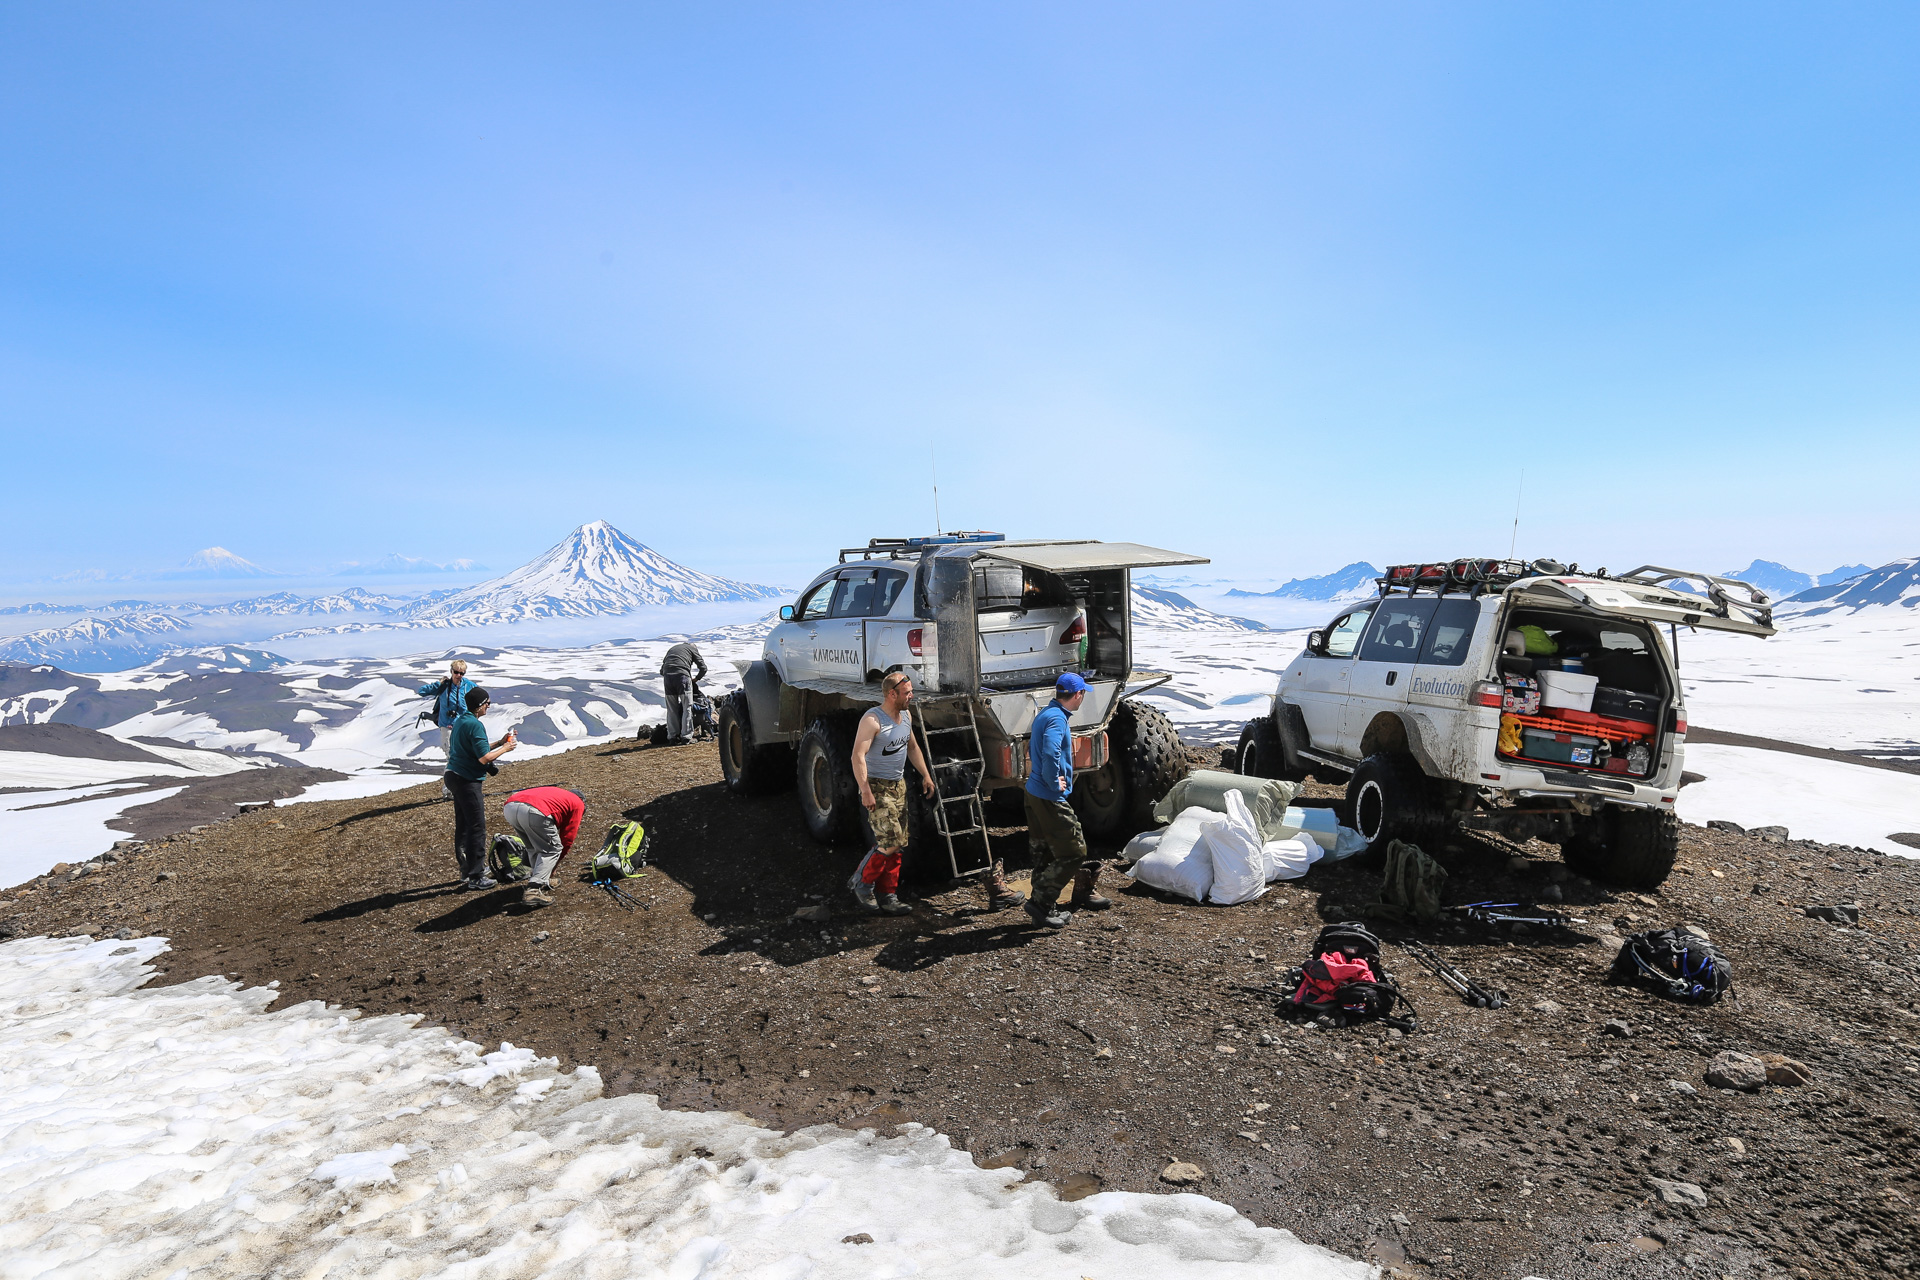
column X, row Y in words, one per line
column 1471, row 575
column 894, row 548
column 1475, row 576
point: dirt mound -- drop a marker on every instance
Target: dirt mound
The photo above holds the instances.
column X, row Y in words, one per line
column 1572, row 1133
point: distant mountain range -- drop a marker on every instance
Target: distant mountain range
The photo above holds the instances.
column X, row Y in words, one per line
column 1893, row 585
column 99, row 643
column 1778, row 581
column 597, row 571
column 1355, row 582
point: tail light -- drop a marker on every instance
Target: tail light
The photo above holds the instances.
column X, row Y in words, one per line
column 913, row 642
column 1073, row 634
column 1680, row 727
column 1488, row 693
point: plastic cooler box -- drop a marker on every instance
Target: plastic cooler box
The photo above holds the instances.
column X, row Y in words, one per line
column 1566, row 689
column 1559, row 748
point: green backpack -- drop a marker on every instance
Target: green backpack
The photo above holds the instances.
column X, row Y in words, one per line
column 507, row 859
column 622, row 854
column 1413, row 885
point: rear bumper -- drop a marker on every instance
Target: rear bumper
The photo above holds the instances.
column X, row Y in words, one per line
column 1526, row 782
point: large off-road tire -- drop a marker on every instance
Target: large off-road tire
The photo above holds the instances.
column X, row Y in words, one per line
column 1146, row 747
column 1631, row 847
column 749, row 769
column 823, row 772
column 1391, row 799
column 1260, row 754
column 1100, row 798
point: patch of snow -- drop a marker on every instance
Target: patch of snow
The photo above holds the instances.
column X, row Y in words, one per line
column 184, row 1130
column 32, row 839
column 1813, row 799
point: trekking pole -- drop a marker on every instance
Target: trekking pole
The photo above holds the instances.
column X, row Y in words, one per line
column 1498, row 913
column 1463, row 986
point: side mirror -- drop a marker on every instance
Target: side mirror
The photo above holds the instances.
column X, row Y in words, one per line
column 1317, row 643
column 786, row 613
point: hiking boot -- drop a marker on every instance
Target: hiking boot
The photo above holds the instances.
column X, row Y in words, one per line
column 536, row 895
column 1048, row 914
column 1084, row 898
column 1000, row 897
column 890, row 905
column 480, row 882
column 862, row 891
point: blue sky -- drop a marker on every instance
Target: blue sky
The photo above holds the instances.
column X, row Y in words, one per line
column 1287, row 285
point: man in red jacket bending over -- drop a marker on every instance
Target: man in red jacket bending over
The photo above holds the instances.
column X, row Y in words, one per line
column 548, row 819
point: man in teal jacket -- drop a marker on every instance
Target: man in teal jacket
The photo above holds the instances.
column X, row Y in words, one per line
column 1053, row 829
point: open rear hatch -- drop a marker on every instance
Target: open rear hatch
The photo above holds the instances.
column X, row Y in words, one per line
column 1724, row 604
column 1094, row 575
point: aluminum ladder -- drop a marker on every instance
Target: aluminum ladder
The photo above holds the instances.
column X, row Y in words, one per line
column 972, row 819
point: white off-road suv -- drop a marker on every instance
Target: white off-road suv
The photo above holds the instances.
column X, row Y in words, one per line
column 985, row 625
column 1529, row 699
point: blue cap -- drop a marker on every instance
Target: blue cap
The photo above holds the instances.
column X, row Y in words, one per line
column 1068, row 685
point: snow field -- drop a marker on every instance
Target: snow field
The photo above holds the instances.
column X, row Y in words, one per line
column 185, row 1131
column 33, row 839
column 1813, row 799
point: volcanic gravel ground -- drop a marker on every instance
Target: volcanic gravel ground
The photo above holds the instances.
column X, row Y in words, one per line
column 1491, row 1143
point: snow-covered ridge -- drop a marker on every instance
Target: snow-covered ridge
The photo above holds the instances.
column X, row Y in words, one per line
column 91, row 641
column 186, row 1130
column 1169, row 611
column 1892, row 585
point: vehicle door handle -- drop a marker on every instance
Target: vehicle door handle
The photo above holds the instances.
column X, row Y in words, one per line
column 1392, row 676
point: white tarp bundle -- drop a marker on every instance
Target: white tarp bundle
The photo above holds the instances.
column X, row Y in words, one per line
column 1218, row 858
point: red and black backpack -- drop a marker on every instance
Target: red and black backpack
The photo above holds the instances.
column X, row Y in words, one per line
column 1345, row 978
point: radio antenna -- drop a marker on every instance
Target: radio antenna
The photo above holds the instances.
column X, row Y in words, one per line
column 933, row 465
column 1514, row 545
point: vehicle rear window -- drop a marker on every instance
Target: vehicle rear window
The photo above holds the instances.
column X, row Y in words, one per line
column 867, row 593
column 1450, row 633
column 1399, row 625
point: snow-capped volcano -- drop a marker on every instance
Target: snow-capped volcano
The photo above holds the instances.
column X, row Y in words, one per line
column 598, row 570
column 218, row 562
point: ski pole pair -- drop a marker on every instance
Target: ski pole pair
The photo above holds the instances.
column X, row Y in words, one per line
column 1472, row 992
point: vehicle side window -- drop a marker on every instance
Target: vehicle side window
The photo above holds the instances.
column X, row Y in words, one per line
column 1450, row 634
column 1343, row 637
column 817, row 602
column 867, row 593
column 1399, row 625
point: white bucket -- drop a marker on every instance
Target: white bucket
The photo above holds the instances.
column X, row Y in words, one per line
column 1567, row 689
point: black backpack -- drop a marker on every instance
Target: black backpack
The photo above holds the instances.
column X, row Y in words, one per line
column 1674, row 963
column 1312, row 990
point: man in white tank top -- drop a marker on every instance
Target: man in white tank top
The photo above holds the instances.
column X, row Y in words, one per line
column 882, row 750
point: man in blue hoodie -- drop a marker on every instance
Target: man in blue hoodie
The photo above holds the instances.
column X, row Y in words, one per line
column 449, row 700
column 1058, row 845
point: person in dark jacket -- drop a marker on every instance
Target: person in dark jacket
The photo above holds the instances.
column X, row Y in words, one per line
column 470, row 758
column 1053, row 828
column 679, row 670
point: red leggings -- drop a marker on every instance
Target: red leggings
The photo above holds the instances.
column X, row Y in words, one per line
column 881, row 870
